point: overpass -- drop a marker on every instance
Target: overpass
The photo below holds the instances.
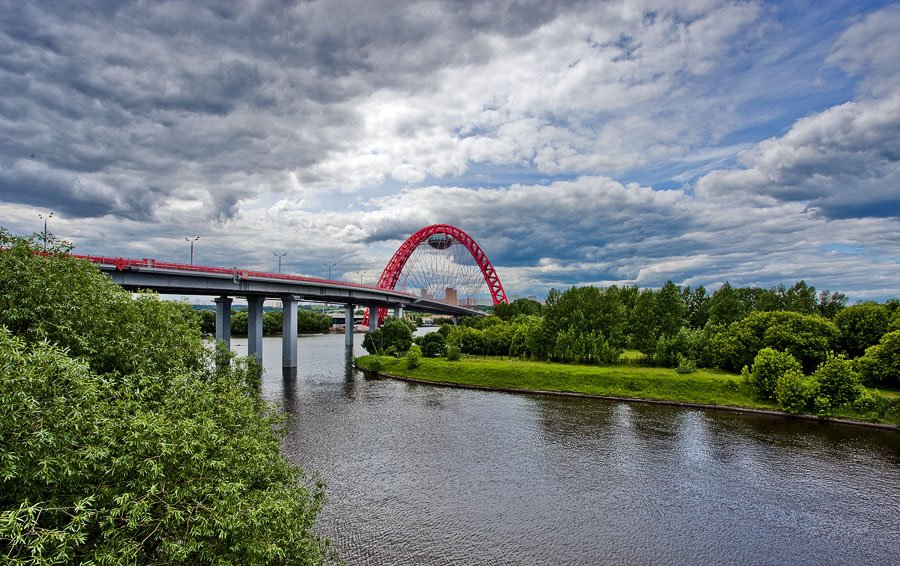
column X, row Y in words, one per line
column 256, row 286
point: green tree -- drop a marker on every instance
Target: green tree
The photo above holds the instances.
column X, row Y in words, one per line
column 809, row 338
column 768, row 366
column 697, row 306
column 393, row 338
column 830, row 304
column 880, row 366
column 433, row 345
column 207, row 321
column 239, row 322
column 122, row 441
column 800, row 298
column 861, row 326
column 725, row 306
column 310, row 321
column 837, row 380
column 796, row 392
column 669, row 310
column 641, row 323
column 272, row 322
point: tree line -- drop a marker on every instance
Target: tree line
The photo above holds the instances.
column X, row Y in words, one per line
column 828, row 350
column 307, row 321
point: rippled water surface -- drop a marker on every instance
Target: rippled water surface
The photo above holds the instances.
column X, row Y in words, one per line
column 427, row 475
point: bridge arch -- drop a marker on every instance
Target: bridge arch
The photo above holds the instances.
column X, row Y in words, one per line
column 391, row 274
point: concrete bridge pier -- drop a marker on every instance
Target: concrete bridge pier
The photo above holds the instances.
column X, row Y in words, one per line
column 348, row 325
column 373, row 318
column 223, row 320
column 398, row 311
column 255, row 327
column 289, row 357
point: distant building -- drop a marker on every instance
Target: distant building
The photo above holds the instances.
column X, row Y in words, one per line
column 450, row 296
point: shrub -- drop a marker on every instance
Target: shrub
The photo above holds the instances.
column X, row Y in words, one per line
column 433, row 345
column 768, row 366
column 795, row 391
column 881, row 364
column 413, row 357
column 837, row 381
column 861, row 326
column 452, row 352
column 394, row 337
column 685, row 365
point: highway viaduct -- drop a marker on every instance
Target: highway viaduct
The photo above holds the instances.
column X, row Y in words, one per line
column 227, row 283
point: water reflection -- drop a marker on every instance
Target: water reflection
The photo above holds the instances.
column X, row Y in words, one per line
column 425, row 475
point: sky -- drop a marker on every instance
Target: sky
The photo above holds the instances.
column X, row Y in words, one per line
column 579, row 143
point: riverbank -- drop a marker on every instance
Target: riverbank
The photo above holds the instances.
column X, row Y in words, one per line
column 704, row 388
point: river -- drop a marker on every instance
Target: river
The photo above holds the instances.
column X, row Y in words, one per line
column 423, row 475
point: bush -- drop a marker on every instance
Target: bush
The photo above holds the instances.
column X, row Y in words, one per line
column 768, row 366
column 861, row 326
column 452, row 352
column 433, row 345
column 123, row 442
column 685, row 365
column 837, row 381
column 881, row 364
column 394, row 337
column 795, row 391
column 413, row 357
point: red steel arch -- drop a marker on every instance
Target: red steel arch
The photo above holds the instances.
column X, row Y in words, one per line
column 391, row 274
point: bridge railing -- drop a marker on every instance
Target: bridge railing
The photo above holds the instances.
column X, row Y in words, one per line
column 122, row 264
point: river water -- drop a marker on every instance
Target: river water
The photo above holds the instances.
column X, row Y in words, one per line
column 422, row 475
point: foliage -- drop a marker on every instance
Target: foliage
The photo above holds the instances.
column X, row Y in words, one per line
column 433, row 344
column 696, row 304
column 685, row 365
column 725, row 306
column 768, row 366
column 393, row 338
column 796, row 392
column 121, row 441
column 519, row 307
column 861, row 326
column 880, row 366
column 837, row 380
column 583, row 310
column 413, row 357
column 310, row 321
column 239, row 322
column 830, row 304
column 693, row 345
column 207, row 321
column 452, row 352
column 809, row 338
column 272, row 322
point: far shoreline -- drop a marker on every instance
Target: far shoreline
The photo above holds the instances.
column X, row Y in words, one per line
column 668, row 402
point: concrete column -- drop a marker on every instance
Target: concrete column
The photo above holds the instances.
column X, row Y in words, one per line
column 348, row 325
column 223, row 320
column 289, row 305
column 255, row 327
column 398, row 311
column 373, row 318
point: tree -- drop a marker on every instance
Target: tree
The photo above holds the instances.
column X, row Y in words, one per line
column 272, row 321
column 122, row 441
column 800, row 298
column 519, row 307
column 725, row 306
column 830, row 304
column 669, row 310
column 837, row 381
column 207, row 321
column 697, row 306
column 310, row 321
column 861, row 326
column 880, row 366
column 809, row 338
column 796, row 392
column 433, row 345
column 394, row 337
column 642, row 335
column 768, row 366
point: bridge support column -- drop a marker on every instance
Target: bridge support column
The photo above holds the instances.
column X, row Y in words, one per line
column 373, row 318
column 398, row 311
column 223, row 320
column 289, row 305
column 255, row 327
column 348, row 325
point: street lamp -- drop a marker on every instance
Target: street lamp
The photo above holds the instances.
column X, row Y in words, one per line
column 45, row 219
column 361, row 277
column 279, row 256
column 192, row 247
column 329, row 266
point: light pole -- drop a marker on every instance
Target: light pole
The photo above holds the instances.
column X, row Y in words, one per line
column 279, row 256
column 45, row 219
column 361, row 277
column 186, row 239
column 329, row 266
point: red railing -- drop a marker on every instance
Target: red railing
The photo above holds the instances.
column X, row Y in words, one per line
column 122, row 264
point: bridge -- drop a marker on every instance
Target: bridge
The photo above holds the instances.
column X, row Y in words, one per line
column 256, row 287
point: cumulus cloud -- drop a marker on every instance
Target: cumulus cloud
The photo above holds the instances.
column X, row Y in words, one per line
column 579, row 142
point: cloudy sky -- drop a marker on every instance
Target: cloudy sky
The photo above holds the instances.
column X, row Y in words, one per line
column 596, row 142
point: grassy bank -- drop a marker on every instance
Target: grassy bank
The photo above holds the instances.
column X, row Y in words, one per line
column 707, row 387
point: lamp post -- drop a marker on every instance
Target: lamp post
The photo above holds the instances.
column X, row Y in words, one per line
column 186, row 239
column 279, row 256
column 361, row 277
column 45, row 219
column 329, row 266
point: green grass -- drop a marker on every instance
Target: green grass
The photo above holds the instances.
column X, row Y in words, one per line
column 708, row 387
column 702, row 386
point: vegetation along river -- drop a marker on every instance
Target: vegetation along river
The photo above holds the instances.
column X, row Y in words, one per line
column 419, row 474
